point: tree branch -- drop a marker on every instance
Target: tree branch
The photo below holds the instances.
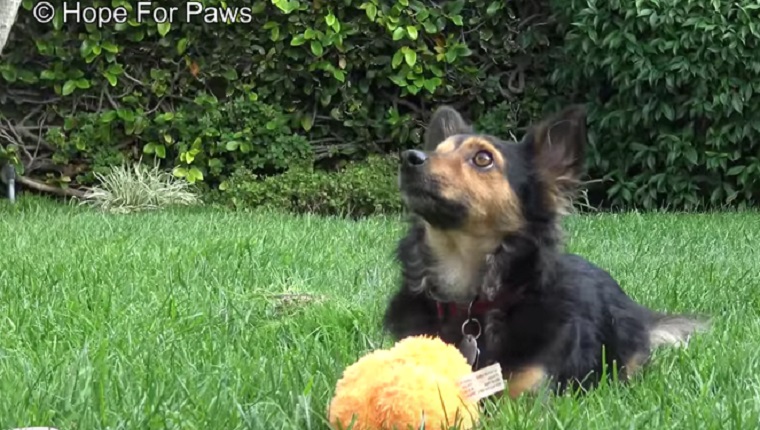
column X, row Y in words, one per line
column 45, row 188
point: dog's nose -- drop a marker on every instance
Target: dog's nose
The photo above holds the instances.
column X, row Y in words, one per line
column 414, row 157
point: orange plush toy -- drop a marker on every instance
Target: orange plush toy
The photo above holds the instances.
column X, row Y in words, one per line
column 419, row 380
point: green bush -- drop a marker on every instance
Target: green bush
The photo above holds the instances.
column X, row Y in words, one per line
column 358, row 189
column 509, row 119
column 682, row 126
column 352, row 77
column 207, row 139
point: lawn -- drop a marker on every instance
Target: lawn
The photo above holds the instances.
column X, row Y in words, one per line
column 172, row 320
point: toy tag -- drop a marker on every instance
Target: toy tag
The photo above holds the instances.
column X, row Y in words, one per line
column 481, row 384
column 469, row 348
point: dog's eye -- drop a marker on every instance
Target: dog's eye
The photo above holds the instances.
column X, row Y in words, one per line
column 483, row 159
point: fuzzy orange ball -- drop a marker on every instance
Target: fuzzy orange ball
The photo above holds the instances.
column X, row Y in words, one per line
column 414, row 382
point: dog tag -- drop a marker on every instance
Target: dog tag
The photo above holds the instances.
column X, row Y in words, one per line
column 469, row 348
column 483, row 383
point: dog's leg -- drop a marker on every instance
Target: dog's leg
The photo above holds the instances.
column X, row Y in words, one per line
column 526, row 380
column 410, row 314
column 634, row 365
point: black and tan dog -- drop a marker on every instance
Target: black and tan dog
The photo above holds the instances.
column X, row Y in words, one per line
column 484, row 258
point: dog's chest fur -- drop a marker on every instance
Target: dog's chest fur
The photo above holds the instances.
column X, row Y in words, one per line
column 456, row 277
column 458, row 263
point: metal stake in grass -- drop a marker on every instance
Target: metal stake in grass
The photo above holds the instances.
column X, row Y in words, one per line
column 8, row 176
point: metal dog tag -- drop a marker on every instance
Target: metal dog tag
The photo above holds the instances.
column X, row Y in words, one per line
column 469, row 348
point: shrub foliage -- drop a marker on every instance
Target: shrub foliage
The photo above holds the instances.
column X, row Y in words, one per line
column 354, row 190
column 682, row 125
column 292, row 80
column 297, row 86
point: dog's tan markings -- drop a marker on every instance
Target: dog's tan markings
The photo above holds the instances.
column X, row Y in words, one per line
column 634, row 365
column 493, row 206
column 526, row 380
column 448, row 145
column 493, row 209
column 475, row 144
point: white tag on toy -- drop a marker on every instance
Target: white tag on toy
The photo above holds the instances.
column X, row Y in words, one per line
column 469, row 348
column 481, row 384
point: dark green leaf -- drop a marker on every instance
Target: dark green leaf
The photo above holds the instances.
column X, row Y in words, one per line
column 412, row 32
column 410, row 56
column 164, row 27
column 68, row 87
column 371, row 11
column 316, row 48
column 398, row 57
column 298, row 40
column 398, row 33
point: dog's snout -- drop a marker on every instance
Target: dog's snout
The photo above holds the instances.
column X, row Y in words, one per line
column 414, row 157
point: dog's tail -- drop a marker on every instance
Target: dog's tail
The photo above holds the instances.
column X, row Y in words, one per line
column 675, row 330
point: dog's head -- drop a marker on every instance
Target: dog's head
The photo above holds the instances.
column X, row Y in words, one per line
column 472, row 190
column 483, row 186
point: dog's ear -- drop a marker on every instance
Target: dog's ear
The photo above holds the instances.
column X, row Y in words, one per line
column 445, row 122
column 558, row 147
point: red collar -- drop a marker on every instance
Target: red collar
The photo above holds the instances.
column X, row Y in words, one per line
column 479, row 307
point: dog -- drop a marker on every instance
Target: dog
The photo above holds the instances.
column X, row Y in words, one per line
column 483, row 260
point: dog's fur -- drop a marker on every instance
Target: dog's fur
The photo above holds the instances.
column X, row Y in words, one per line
column 490, row 231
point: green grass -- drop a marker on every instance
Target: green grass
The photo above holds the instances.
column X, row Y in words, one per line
column 167, row 320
